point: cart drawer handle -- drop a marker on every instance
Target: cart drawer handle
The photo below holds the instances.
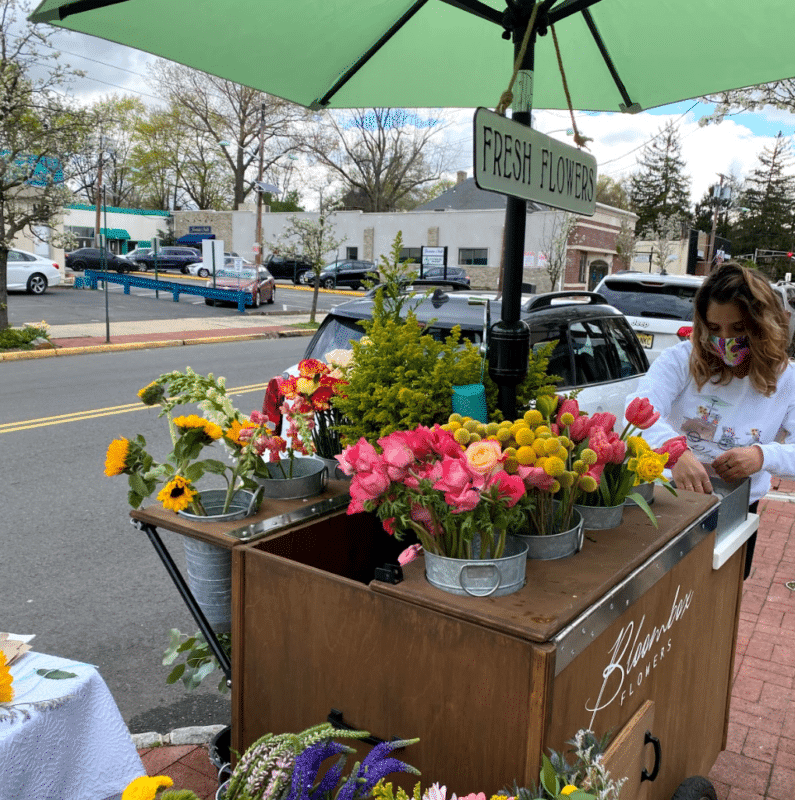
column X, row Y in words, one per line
column 335, row 718
column 652, row 740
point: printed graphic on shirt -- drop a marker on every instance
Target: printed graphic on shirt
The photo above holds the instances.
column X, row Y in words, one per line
column 705, row 432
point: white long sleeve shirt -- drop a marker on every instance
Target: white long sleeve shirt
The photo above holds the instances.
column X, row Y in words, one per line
column 720, row 417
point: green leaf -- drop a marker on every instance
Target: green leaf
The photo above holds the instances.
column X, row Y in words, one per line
column 55, row 674
column 139, row 485
column 194, row 471
column 215, row 467
column 549, row 778
column 642, row 504
column 175, row 674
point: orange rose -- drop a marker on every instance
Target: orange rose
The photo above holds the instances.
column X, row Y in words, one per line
column 484, row 457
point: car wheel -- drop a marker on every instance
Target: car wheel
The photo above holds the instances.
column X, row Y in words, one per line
column 272, row 297
column 255, row 300
column 204, row 273
column 79, row 266
column 143, row 267
column 208, row 301
column 184, row 270
column 329, row 283
column 37, row 284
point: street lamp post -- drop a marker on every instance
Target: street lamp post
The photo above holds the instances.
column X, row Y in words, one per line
column 258, row 259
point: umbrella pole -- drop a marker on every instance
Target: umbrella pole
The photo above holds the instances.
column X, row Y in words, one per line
column 509, row 339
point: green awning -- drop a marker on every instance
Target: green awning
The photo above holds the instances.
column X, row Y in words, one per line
column 114, row 233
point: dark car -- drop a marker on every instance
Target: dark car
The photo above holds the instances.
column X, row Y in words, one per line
column 169, row 258
column 257, row 281
column 93, row 258
column 349, row 273
column 292, row 267
column 597, row 351
column 457, row 274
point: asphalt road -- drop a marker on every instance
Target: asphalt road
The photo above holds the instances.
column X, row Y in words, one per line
column 74, row 570
column 61, row 305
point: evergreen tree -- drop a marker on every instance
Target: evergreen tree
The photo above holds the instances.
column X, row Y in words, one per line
column 768, row 196
column 660, row 188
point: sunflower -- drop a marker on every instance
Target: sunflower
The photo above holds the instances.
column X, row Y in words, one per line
column 6, row 692
column 116, row 458
column 152, row 394
column 212, row 430
column 177, row 494
column 145, row 788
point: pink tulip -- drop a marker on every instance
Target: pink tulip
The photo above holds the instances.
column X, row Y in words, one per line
column 609, row 448
column 409, row 554
column 570, row 406
column 604, row 420
column 579, row 429
column 640, row 413
column 674, row 447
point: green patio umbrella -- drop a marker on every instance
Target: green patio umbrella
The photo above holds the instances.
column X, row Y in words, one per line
column 618, row 55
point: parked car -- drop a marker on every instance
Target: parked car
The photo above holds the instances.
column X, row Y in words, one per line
column 786, row 293
column 351, row 273
column 597, row 351
column 169, row 258
column 438, row 273
column 138, row 251
column 93, row 258
column 31, row 273
column 258, row 282
column 204, row 270
column 658, row 307
column 292, row 267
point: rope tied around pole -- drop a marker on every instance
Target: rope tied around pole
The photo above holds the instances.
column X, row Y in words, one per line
column 506, row 98
column 579, row 139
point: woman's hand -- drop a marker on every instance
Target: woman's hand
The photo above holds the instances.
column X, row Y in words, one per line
column 689, row 473
column 738, row 463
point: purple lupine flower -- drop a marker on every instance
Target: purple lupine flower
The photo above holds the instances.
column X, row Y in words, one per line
column 307, row 764
column 374, row 768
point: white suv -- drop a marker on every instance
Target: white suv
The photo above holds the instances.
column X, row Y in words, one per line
column 786, row 293
column 658, row 307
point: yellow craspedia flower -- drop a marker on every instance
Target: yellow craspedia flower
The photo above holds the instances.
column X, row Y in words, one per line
column 567, row 790
column 555, row 487
column 566, row 442
column 492, row 428
column 461, row 436
column 453, row 425
column 455, row 418
column 511, row 465
column 177, row 494
column 533, row 417
column 116, row 457
column 554, row 467
column 580, row 467
column 504, row 435
column 516, row 427
column 152, row 394
column 543, row 430
column 588, row 483
column 566, row 480
column 588, row 456
column 637, row 445
column 526, row 456
column 6, row 679
column 538, row 447
column 145, row 788
column 509, row 452
column 551, row 446
column 474, row 437
column 524, row 436
column 567, row 418
column 471, row 425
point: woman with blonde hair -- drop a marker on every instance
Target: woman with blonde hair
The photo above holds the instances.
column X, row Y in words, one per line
column 730, row 389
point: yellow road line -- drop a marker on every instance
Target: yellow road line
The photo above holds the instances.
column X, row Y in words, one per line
column 80, row 416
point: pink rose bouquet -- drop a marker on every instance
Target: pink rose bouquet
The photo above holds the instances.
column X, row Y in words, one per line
column 423, row 481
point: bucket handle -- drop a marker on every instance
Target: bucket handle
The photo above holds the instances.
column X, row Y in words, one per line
column 465, row 567
column 324, row 478
column 255, row 496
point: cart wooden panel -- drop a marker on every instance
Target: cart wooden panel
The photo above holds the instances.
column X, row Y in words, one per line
column 474, row 678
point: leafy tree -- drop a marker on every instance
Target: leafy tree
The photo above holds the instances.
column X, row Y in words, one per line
column 665, row 234
column 626, row 243
column 768, row 195
column 312, row 238
column 155, row 159
column 231, row 117
column 612, row 192
column 39, row 130
column 660, row 187
column 383, row 156
column 558, row 234
column 779, row 94
column 290, row 202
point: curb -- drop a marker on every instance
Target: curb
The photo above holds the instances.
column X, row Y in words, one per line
column 180, row 736
column 21, row 355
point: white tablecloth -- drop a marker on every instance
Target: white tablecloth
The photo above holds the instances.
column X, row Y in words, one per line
column 78, row 750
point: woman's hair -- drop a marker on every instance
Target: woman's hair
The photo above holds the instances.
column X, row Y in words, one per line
column 765, row 325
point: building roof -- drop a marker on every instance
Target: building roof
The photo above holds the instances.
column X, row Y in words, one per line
column 466, row 196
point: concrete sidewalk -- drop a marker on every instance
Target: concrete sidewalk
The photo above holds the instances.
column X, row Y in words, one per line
column 91, row 337
column 759, row 760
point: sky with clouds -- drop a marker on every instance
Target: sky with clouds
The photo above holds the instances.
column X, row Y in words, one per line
column 731, row 147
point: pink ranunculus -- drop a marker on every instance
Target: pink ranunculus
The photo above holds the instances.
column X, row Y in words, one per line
column 604, row 420
column 640, row 413
column 409, row 554
column 440, row 441
column 570, row 406
column 674, row 447
column 465, row 500
column 473, row 796
column 510, row 486
column 397, row 456
column 484, row 457
column 389, row 525
column 359, row 457
column 456, row 477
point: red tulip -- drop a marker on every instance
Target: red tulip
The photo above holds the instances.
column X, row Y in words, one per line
column 640, row 413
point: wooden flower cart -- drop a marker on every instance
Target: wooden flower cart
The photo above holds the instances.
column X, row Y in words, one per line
column 635, row 634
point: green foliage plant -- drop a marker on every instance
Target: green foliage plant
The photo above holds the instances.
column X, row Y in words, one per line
column 199, row 661
column 23, row 338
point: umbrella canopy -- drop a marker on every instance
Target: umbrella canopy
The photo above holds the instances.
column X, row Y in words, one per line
column 618, row 54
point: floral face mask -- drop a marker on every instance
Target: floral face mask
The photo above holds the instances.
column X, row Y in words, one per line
column 733, row 350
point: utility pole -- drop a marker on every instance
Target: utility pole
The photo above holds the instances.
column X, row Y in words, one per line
column 98, row 199
column 711, row 245
column 258, row 259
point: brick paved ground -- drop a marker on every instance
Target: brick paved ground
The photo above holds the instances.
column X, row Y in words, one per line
column 759, row 761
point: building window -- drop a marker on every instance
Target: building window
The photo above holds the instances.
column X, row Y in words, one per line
column 413, row 253
column 473, row 256
column 583, row 267
column 84, row 236
column 352, row 252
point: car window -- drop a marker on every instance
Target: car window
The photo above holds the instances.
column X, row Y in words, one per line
column 16, row 255
column 334, row 333
column 663, row 301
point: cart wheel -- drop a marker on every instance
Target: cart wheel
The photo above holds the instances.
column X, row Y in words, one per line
column 695, row 788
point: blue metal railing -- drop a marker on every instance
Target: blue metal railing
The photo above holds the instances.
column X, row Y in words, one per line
column 92, row 277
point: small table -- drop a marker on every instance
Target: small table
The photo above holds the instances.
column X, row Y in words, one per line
column 63, row 739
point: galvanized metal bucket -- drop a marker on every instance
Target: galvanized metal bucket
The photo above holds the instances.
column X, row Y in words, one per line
column 310, row 477
column 645, row 490
column 209, row 567
column 490, row 577
column 601, row 518
column 557, row 545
